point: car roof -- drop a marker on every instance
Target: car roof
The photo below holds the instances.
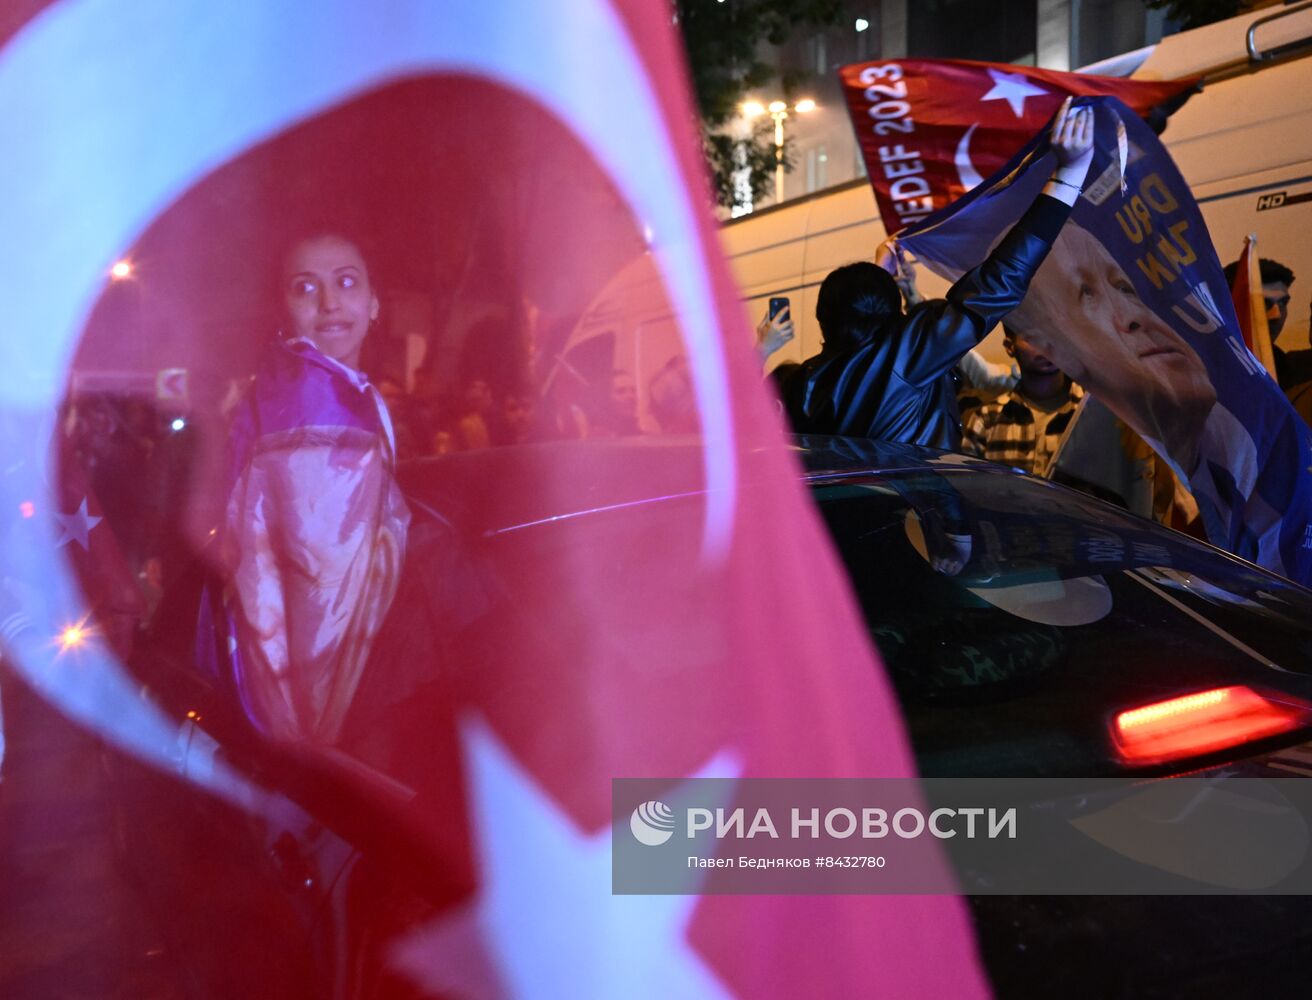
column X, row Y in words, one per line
column 824, row 456
column 498, row 489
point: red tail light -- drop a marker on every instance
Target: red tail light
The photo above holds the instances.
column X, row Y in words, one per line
column 1200, row 723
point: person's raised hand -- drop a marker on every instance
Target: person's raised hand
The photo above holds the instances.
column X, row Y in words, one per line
column 886, row 257
column 905, row 276
column 1072, row 144
column 773, row 333
column 1072, row 135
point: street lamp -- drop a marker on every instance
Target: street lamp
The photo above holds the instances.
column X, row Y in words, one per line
column 778, row 110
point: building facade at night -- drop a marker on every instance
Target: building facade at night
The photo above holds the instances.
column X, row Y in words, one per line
column 1053, row 34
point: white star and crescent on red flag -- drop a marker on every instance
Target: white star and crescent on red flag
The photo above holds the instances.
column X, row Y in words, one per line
column 644, row 651
column 932, row 129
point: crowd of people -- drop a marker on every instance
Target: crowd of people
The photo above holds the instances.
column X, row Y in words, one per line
column 430, row 419
column 1017, row 413
column 890, row 374
column 313, row 528
column 894, row 367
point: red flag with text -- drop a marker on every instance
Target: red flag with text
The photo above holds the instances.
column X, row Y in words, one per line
column 932, row 129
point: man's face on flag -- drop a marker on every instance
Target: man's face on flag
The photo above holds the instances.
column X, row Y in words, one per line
column 1083, row 312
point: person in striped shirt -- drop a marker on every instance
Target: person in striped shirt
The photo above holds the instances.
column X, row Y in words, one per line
column 1023, row 427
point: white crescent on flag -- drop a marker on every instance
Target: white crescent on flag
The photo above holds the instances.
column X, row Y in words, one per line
column 117, row 129
column 965, row 169
column 110, row 142
column 124, row 110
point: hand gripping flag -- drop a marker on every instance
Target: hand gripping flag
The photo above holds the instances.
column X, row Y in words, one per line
column 932, row 129
column 523, row 187
column 1132, row 304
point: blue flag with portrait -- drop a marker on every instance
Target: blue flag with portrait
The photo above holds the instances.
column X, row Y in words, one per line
column 1132, row 304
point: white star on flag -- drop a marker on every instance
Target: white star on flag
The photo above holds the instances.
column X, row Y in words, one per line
column 76, row 526
column 544, row 922
column 1012, row 88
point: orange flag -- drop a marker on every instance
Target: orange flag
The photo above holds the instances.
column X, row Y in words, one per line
column 1250, row 306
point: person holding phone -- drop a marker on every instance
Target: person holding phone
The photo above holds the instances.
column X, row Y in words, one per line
column 775, row 329
column 885, row 374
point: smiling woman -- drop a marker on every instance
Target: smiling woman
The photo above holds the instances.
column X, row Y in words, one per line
column 328, row 297
column 315, row 525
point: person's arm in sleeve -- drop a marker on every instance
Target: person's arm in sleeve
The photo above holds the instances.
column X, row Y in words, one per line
column 940, row 331
column 980, row 373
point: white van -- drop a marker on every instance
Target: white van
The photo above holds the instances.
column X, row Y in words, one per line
column 1244, row 145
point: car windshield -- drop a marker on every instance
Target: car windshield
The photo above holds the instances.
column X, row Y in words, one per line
column 1017, row 618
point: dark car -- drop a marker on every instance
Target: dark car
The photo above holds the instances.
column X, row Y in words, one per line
column 1022, row 624
column 1023, row 659
column 1068, row 624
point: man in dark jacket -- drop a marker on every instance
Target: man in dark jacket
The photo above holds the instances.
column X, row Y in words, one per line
column 887, row 375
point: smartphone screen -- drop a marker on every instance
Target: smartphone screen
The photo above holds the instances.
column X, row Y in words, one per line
column 778, row 305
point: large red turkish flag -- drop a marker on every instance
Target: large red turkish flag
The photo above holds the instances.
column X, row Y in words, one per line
column 526, row 179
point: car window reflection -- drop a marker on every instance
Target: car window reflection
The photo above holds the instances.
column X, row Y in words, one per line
column 1065, row 612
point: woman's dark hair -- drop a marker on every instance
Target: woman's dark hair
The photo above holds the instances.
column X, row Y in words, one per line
column 855, row 302
column 310, row 235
